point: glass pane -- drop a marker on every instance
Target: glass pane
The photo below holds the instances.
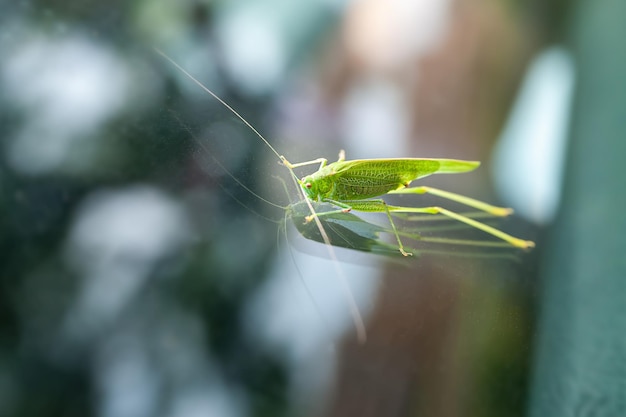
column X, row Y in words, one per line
column 159, row 258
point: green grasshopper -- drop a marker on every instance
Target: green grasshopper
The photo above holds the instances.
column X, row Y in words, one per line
column 352, row 185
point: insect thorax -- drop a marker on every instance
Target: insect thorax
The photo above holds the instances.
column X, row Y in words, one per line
column 317, row 188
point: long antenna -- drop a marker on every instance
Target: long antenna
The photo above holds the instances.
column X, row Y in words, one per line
column 354, row 309
column 215, row 96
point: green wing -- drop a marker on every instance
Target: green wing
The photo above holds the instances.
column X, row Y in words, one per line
column 405, row 169
column 367, row 178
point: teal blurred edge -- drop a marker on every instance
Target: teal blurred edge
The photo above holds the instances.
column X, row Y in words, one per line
column 580, row 359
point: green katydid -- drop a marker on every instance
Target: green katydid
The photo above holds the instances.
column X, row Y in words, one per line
column 352, row 185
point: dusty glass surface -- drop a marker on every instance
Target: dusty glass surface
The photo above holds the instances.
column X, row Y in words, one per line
column 150, row 264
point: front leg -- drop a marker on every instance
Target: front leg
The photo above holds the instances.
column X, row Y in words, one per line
column 321, row 161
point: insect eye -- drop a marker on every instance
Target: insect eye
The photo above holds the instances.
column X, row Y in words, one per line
column 308, row 185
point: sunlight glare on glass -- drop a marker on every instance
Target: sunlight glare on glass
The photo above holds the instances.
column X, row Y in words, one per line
column 127, row 382
column 67, row 88
column 254, row 52
column 529, row 158
column 386, row 34
column 208, row 400
column 116, row 240
column 375, row 120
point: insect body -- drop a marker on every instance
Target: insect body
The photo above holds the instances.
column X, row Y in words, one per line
column 352, row 185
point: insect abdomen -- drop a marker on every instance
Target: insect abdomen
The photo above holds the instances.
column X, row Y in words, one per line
column 367, row 178
column 355, row 186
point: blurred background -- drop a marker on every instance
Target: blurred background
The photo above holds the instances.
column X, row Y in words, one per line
column 144, row 266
